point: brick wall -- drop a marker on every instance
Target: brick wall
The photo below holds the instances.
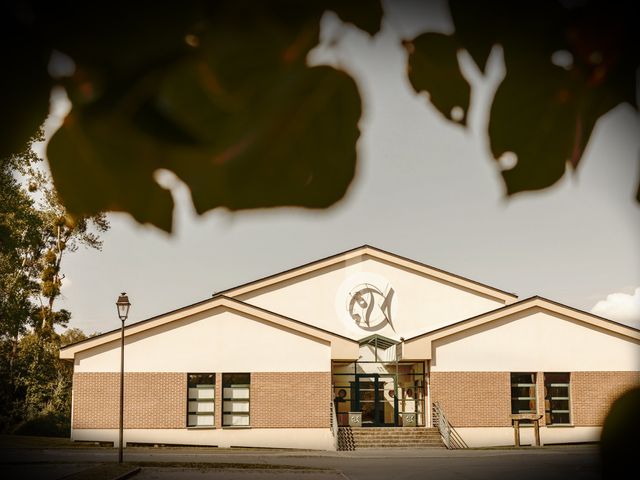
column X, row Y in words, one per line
column 592, row 393
column 473, row 399
column 290, row 399
column 152, row 400
column 159, row 400
column 483, row 399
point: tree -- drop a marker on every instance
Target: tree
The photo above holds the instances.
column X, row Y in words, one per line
column 35, row 233
column 21, row 245
column 61, row 233
column 220, row 93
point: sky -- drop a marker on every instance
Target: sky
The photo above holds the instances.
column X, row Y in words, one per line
column 424, row 189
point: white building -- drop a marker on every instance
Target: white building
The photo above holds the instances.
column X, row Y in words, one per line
column 367, row 332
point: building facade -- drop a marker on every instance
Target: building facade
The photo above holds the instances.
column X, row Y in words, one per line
column 280, row 361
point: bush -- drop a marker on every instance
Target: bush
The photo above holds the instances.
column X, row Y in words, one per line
column 47, row 425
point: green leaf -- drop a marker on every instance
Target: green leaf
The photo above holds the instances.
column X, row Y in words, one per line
column 25, row 83
column 229, row 105
column 475, row 25
column 549, row 123
column 364, row 14
column 542, row 112
column 433, row 68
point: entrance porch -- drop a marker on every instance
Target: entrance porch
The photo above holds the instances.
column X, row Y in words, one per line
column 384, row 391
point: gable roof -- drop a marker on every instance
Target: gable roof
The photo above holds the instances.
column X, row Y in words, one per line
column 367, row 250
column 421, row 344
column 341, row 347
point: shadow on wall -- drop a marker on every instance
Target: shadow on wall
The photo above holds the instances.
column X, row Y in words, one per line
column 620, row 441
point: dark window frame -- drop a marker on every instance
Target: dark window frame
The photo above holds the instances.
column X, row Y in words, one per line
column 192, row 383
column 519, row 381
column 236, row 380
column 552, row 381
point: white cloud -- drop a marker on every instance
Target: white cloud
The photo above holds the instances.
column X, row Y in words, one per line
column 621, row 307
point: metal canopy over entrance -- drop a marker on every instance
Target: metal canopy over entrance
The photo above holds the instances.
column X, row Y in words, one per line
column 377, row 348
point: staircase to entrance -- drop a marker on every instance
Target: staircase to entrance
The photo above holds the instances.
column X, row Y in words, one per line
column 357, row 438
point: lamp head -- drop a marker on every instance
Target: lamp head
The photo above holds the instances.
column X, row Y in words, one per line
column 123, row 305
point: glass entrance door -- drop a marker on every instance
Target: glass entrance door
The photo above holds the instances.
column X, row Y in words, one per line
column 375, row 398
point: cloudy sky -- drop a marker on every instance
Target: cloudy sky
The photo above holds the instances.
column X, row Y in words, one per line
column 424, row 189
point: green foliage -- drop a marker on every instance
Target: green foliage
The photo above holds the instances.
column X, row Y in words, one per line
column 73, row 335
column 42, row 377
column 21, row 246
column 35, row 385
column 50, row 424
column 220, row 94
column 433, row 68
column 542, row 112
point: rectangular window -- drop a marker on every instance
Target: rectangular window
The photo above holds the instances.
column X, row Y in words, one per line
column 556, row 398
column 523, row 393
column 201, row 388
column 235, row 396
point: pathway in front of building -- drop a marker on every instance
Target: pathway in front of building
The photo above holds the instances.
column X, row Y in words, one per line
column 561, row 462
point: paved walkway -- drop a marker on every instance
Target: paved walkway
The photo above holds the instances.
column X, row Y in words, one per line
column 574, row 462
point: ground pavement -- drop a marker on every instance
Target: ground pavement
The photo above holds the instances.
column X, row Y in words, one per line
column 71, row 462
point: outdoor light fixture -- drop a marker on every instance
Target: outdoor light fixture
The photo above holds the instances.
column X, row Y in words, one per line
column 123, row 312
column 123, row 306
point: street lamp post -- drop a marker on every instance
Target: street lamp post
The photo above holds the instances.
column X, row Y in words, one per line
column 123, row 312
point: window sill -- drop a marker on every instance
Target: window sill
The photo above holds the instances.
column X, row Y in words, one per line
column 235, row 427
column 202, row 428
column 561, row 425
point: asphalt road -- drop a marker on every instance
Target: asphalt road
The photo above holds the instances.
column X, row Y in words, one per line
column 561, row 462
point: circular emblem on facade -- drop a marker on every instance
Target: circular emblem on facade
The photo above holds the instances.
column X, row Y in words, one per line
column 367, row 301
column 370, row 307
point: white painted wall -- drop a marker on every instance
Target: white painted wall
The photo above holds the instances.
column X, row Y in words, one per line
column 222, row 341
column 503, row 436
column 304, row 438
column 423, row 302
column 535, row 342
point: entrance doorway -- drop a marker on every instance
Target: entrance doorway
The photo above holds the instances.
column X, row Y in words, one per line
column 374, row 396
column 387, row 394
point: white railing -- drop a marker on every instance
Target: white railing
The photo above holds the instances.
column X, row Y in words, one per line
column 334, row 425
column 450, row 437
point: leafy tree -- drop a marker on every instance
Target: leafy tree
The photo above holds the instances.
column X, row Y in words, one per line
column 21, row 245
column 35, row 233
column 36, row 399
column 61, row 233
column 220, row 93
column 73, row 335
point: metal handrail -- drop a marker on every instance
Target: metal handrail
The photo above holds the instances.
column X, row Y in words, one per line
column 334, row 425
column 450, row 436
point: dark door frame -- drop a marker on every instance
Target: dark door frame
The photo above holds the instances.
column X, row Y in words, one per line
column 378, row 407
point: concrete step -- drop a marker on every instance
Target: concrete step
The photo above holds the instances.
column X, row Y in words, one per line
column 392, row 429
column 389, row 437
column 400, row 447
column 365, row 431
column 395, row 434
column 396, row 440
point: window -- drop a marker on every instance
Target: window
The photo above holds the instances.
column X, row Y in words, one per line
column 523, row 393
column 201, row 399
column 235, row 395
column 556, row 398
